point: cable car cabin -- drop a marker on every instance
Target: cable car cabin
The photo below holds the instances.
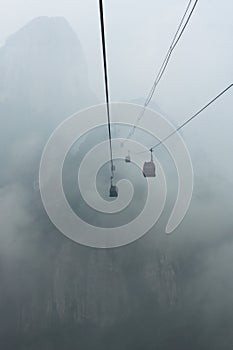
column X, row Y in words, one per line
column 127, row 159
column 149, row 169
column 113, row 192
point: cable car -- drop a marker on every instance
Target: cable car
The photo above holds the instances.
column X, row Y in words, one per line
column 113, row 192
column 149, row 168
column 127, row 158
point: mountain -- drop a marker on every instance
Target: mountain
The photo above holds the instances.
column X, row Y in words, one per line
column 44, row 75
column 55, row 293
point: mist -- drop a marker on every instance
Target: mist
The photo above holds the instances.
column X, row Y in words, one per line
column 162, row 291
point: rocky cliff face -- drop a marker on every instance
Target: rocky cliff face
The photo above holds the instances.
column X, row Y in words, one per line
column 43, row 64
column 43, row 73
column 46, row 282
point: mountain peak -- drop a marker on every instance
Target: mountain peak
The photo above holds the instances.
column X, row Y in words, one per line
column 43, row 31
column 42, row 66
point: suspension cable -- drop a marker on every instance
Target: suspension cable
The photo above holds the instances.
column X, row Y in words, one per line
column 163, row 67
column 101, row 11
column 191, row 118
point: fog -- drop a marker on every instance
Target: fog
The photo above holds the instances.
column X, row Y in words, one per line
column 163, row 292
column 203, row 58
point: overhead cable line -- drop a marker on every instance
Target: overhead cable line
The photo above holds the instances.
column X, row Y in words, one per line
column 106, row 83
column 170, row 50
column 163, row 67
column 191, row 118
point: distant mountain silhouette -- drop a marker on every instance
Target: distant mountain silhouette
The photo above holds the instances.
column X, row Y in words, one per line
column 55, row 293
column 43, row 72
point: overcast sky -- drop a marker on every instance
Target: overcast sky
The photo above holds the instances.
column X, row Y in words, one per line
column 138, row 35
